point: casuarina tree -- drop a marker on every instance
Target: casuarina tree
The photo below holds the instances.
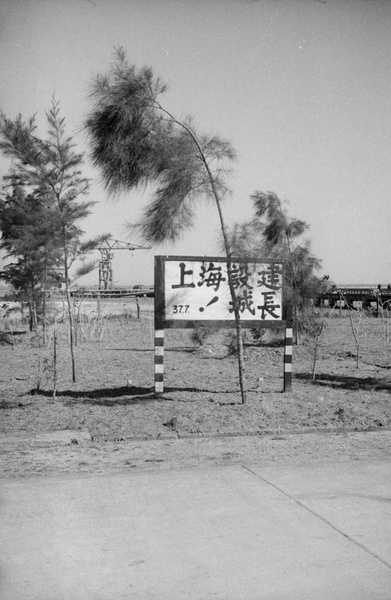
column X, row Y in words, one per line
column 28, row 237
column 51, row 169
column 273, row 233
column 137, row 142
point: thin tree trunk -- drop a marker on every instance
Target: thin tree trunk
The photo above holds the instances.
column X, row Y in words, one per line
column 238, row 327
column 34, row 320
column 31, row 319
column 44, row 332
column 356, row 333
column 54, row 364
column 32, row 308
column 314, row 361
column 317, row 343
column 38, row 386
column 71, row 333
column 70, row 313
column 76, row 314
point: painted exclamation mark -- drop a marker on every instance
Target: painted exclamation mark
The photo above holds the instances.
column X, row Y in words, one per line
column 215, row 299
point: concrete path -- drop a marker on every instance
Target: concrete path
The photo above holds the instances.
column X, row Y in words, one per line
column 316, row 532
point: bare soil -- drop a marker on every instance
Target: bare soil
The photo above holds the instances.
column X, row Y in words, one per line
column 110, row 418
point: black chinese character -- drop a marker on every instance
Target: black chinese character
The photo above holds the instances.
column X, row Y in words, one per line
column 271, row 277
column 240, row 276
column 182, row 283
column 268, row 306
column 244, row 302
column 211, row 276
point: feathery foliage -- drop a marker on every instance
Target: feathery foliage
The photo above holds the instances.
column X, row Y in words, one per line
column 44, row 221
column 136, row 142
column 273, row 234
column 49, row 169
column 283, row 240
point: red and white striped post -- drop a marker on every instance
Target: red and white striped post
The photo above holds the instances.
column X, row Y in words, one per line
column 288, row 350
column 159, row 361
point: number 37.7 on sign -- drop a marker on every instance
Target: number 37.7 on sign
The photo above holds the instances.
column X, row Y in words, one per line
column 180, row 308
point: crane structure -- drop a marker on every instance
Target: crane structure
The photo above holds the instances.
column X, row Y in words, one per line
column 105, row 264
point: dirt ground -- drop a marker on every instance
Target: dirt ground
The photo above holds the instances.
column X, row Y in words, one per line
column 110, row 418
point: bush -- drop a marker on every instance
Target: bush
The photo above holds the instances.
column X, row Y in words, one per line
column 258, row 334
column 200, row 334
column 232, row 340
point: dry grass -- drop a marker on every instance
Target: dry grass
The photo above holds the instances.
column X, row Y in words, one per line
column 113, row 397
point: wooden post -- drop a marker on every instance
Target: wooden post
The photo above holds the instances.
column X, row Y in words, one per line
column 159, row 304
column 288, row 350
column 159, row 361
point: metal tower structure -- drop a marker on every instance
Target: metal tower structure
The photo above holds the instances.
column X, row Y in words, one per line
column 107, row 255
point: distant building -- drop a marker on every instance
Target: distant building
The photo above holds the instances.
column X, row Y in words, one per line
column 357, row 295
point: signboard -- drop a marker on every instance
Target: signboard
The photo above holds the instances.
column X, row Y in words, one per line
column 193, row 291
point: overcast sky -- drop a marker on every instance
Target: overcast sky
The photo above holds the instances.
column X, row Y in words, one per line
column 301, row 88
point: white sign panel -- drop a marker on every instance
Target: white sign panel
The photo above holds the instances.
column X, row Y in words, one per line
column 197, row 290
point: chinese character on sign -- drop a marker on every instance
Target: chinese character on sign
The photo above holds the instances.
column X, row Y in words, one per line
column 240, row 276
column 183, row 273
column 241, row 283
column 271, row 277
column 211, row 276
column 268, row 305
column 203, row 288
column 244, row 302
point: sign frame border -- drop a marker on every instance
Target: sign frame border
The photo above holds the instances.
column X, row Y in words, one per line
column 160, row 300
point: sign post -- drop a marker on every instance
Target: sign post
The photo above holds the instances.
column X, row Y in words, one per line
column 194, row 291
column 288, row 350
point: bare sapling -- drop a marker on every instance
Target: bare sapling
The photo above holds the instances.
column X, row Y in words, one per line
column 54, row 364
column 314, row 326
column 358, row 328
column 38, row 385
column 385, row 317
column 317, row 342
column 384, row 313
